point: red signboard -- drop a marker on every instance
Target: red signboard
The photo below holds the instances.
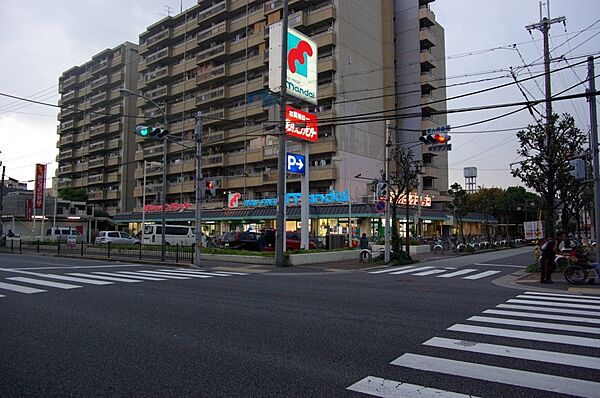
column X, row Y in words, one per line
column 40, row 185
column 29, row 209
column 302, row 125
column 169, row 207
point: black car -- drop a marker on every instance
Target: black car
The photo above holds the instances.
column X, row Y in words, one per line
column 253, row 241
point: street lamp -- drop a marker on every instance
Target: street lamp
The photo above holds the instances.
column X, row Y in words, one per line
column 125, row 92
column 146, row 163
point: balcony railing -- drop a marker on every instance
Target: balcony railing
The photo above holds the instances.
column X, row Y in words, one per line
column 218, row 71
column 158, row 92
column 158, row 55
column 157, row 74
column 212, row 32
column 97, row 130
column 158, row 37
column 67, row 125
column 98, row 162
column 212, row 11
column 212, row 52
column 98, row 98
column 210, row 95
column 99, row 82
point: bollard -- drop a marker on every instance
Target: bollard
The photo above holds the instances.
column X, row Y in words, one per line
column 108, row 250
column 58, row 247
column 20, row 246
column 176, row 253
column 38, row 246
column 12, row 243
column 81, row 249
column 140, row 250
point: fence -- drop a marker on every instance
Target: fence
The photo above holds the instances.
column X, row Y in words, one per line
column 173, row 253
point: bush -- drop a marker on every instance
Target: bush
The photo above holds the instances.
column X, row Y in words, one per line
column 401, row 258
column 536, row 267
column 469, row 249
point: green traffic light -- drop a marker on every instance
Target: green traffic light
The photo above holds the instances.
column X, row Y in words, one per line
column 144, row 132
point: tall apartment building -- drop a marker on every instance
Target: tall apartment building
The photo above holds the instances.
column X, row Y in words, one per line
column 213, row 58
column 96, row 142
column 420, row 74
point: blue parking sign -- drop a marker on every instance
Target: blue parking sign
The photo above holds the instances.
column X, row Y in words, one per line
column 295, row 163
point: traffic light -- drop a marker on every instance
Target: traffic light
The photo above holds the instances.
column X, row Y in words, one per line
column 151, row 133
column 437, row 138
column 381, row 189
column 577, row 169
column 210, row 188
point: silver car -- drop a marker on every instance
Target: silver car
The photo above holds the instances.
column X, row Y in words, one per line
column 116, row 238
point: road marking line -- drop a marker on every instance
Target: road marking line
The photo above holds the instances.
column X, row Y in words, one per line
column 563, row 295
column 2, row 295
column 501, row 265
column 197, row 273
column 522, row 378
column 392, row 269
column 379, row 387
column 105, row 278
column 481, row 275
column 459, row 272
column 20, row 289
column 43, row 283
column 543, row 316
column 181, row 273
column 235, row 273
column 430, row 272
column 161, row 275
column 534, row 324
column 69, row 278
column 516, row 352
column 120, row 274
column 406, row 271
column 72, row 267
column 549, row 304
column 520, row 334
column 566, row 299
column 546, row 309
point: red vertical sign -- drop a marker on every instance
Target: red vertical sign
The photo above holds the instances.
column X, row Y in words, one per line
column 295, row 118
column 40, row 185
column 29, row 209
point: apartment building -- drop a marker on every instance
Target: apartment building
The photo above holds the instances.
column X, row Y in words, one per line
column 420, row 74
column 96, row 141
column 213, row 59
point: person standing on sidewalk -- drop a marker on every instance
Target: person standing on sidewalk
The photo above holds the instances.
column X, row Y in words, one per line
column 548, row 264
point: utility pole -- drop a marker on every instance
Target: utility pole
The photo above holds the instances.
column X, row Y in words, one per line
column 388, row 145
column 199, row 187
column 280, row 231
column 544, row 27
column 594, row 149
column 2, row 199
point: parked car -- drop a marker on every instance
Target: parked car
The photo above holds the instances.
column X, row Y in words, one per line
column 63, row 234
column 243, row 241
column 116, row 238
column 292, row 241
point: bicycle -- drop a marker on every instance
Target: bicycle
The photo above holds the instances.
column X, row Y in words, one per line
column 577, row 274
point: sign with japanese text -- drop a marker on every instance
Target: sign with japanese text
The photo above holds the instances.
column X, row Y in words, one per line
column 29, row 209
column 301, row 125
column 413, row 200
column 40, row 185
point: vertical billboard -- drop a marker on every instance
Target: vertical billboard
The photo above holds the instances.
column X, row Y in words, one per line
column 301, row 63
column 301, row 125
column 40, row 185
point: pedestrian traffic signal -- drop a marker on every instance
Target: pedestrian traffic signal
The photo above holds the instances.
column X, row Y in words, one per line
column 210, row 188
column 381, row 190
column 151, row 133
column 577, row 169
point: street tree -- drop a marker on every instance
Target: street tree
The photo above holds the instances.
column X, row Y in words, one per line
column 545, row 164
column 73, row 194
column 458, row 207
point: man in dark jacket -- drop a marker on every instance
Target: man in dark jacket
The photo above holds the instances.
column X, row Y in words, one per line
column 547, row 263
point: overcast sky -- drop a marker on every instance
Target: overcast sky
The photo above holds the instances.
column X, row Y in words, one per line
column 41, row 39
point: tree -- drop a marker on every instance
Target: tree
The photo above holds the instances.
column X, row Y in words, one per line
column 73, row 194
column 545, row 167
column 484, row 201
column 403, row 180
column 458, row 206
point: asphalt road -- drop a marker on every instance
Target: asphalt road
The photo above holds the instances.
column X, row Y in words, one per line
column 144, row 333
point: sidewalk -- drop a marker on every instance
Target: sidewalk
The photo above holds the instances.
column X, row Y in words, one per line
column 560, row 284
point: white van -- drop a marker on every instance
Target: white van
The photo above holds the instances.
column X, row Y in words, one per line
column 174, row 234
column 63, row 234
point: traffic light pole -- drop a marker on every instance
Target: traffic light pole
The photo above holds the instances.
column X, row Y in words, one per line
column 388, row 145
column 594, row 148
column 199, row 187
column 163, row 240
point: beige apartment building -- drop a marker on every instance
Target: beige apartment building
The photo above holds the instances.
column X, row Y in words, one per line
column 96, row 123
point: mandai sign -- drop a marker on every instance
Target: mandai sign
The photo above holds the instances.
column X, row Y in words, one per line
column 295, row 198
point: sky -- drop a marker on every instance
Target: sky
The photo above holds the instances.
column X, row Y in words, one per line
column 42, row 39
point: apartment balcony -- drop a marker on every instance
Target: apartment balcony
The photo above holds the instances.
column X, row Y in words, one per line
column 101, row 81
column 246, row 87
column 427, row 38
column 153, row 151
column 249, row 42
column 324, row 145
column 157, row 75
column 178, row 187
column 99, row 66
column 98, row 99
column 80, row 183
column 250, row 64
column 85, row 106
column 320, row 173
column 272, row 6
column 158, row 55
column 205, row 16
column 213, row 53
column 67, row 169
column 115, row 127
column 244, row 157
column 326, row 116
column 97, row 130
column 240, row 22
column 151, row 171
column 181, row 106
column 180, row 68
column 63, row 183
column 325, row 39
column 297, row 19
column 212, row 160
column 237, row 182
column 216, row 31
column 326, row 64
column 80, row 167
column 326, row 90
column 158, row 38
column 117, row 77
column 65, row 139
column 428, row 81
column 65, row 154
column 96, row 195
column 67, row 125
column 188, row 124
column 242, row 111
column 117, row 60
column 209, row 96
column 67, row 83
column 214, row 117
column 159, row 92
column 178, row 50
column 68, row 96
column 113, row 161
column 187, row 86
column 211, row 75
column 426, row 17
column 96, row 163
column 427, row 60
column 269, row 177
column 111, row 195
column 320, row 15
column 114, row 143
column 97, row 147
column 96, row 179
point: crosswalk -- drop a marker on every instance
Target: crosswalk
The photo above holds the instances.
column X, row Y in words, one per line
column 438, row 272
column 560, row 340
column 29, row 282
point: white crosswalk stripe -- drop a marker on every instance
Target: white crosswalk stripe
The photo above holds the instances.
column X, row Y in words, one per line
column 19, row 289
column 386, row 270
column 43, row 283
column 406, row 271
column 481, row 275
column 163, row 275
column 379, row 387
column 70, row 279
column 120, row 274
column 438, row 272
column 189, row 275
column 105, row 278
column 430, row 272
column 183, row 272
column 457, row 273
column 557, row 327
